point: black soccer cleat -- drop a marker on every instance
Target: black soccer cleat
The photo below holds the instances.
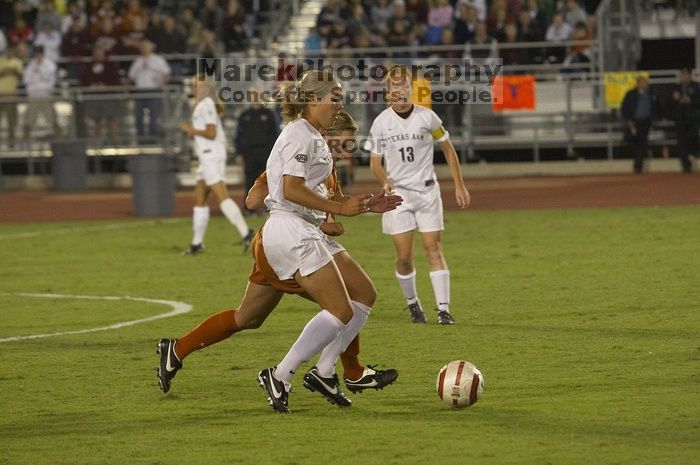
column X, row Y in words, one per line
column 277, row 394
column 445, row 318
column 372, row 379
column 327, row 387
column 247, row 240
column 417, row 315
column 169, row 363
column 194, row 249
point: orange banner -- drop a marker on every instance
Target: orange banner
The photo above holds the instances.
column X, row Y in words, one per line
column 516, row 93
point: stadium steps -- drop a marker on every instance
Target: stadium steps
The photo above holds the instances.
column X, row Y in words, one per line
column 293, row 39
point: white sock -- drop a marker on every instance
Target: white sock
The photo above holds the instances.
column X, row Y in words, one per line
column 317, row 334
column 234, row 215
column 200, row 220
column 326, row 362
column 441, row 287
column 408, row 286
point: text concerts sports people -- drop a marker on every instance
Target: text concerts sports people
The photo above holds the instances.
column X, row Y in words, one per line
column 264, row 291
column 403, row 136
column 210, row 146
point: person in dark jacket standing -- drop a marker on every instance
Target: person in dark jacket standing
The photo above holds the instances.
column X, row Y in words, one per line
column 258, row 128
column 685, row 111
column 639, row 107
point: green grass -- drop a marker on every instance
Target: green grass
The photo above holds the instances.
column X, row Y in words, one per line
column 585, row 324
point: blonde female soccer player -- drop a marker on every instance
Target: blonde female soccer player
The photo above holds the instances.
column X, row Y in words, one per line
column 265, row 290
column 209, row 140
column 403, row 136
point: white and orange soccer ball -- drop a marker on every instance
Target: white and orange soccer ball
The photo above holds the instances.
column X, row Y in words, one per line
column 459, row 384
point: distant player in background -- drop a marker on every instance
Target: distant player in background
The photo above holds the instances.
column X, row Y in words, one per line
column 403, row 135
column 210, row 146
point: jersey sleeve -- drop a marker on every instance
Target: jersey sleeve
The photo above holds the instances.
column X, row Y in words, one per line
column 296, row 155
column 209, row 115
column 375, row 142
column 437, row 130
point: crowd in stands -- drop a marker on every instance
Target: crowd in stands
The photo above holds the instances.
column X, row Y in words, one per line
column 478, row 26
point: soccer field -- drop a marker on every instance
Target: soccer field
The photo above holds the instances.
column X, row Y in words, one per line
column 585, row 324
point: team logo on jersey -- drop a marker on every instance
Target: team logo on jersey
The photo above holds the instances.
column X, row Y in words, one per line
column 301, row 158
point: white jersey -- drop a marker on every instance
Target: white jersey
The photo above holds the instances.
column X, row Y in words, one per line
column 205, row 113
column 300, row 151
column 407, row 146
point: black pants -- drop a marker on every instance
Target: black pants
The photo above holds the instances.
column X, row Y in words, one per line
column 254, row 165
column 641, row 143
column 687, row 138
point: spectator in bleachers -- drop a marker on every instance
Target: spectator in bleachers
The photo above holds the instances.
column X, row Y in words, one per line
column 39, row 79
column 134, row 18
column 21, row 10
column 48, row 15
column 3, row 42
column 106, row 37
column 190, row 28
column 338, row 37
column 513, row 56
column 480, row 8
column 418, row 10
column 488, row 46
column 380, row 14
column 538, row 16
column 50, row 39
column 170, row 41
column 99, row 73
column 399, row 13
column 97, row 20
column 212, row 17
column 639, row 107
column 313, row 42
column 235, row 36
column 465, row 23
column 327, row 17
column 358, row 22
column 155, row 23
column 574, row 13
column 20, row 32
column 557, row 32
column 685, row 111
column 10, row 75
column 439, row 18
column 448, row 39
column 131, row 38
column 74, row 10
column 528, row 31
column 497, row 22
column 398, row 36
column 579, row 54
column 150, row 73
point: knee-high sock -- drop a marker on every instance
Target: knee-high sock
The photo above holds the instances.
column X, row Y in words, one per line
column 317, row 334
column 213, row 329
column 200, row 220
column 441, row 287
column 352, row 368
column 234, row 215
column 408, row 286
column 326, row 362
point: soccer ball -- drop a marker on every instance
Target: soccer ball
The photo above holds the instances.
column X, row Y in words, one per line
column 459, row 384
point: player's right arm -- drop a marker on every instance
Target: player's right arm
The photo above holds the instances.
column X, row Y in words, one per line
column 256, row 195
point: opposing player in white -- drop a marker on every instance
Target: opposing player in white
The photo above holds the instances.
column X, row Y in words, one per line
column 210, row 146
column 403, row 136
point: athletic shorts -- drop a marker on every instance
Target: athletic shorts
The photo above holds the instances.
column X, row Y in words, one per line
column 293, row 244
column 420, row 210
column 263, row 274
column 211, row 170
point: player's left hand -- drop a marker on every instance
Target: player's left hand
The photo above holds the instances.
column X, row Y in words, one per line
column 332, row 229
column 187, row 128
column 383, row 203
column 463, row 197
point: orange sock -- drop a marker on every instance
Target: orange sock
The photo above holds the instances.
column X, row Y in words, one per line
column 215, row 328
column 352, row 369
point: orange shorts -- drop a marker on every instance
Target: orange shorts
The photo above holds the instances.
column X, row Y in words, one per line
column 263, row 274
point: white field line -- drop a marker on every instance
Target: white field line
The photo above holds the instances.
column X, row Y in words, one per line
column 101, row 227
column 178, row 308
